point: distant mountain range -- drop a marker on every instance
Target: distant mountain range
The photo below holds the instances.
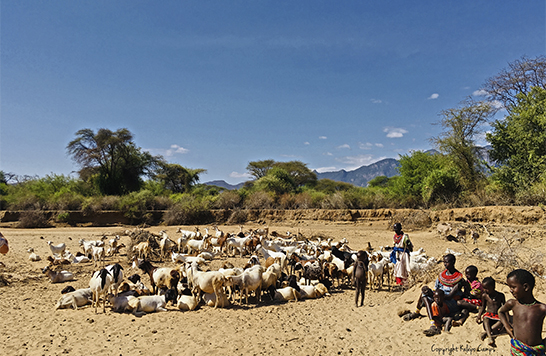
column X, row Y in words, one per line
column 361, row 176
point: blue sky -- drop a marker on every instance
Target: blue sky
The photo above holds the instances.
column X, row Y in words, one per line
column 217, row 84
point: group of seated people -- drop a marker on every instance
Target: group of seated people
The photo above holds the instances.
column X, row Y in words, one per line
column 455, row 296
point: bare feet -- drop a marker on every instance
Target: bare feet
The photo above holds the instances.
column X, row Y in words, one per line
column 492, row 342
column 483, row 336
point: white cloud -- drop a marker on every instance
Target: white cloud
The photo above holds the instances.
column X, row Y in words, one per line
column 328, row 154
column 169, row 152
column 344, row 146
column 322, row 137
column 434, row 96
column 395, row 132
column 174, row 150
column 239, row 175
column 480, row 92
column 365, row 146
column 380, row 145
column 376, row 101
column 306, row 143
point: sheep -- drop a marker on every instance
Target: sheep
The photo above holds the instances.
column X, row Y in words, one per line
column 33, row 256
column 99, row 284
column 67, row 289
column 152, row 303
column 208, row 282
column 76, row 259
column 75, row 299
column 98, row 255
column 58, row 277
column 57, row 249
column 160, row 277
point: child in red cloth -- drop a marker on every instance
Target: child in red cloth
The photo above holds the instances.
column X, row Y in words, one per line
column 491, row 302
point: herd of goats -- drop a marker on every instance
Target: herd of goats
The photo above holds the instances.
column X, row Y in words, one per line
column 280, row 267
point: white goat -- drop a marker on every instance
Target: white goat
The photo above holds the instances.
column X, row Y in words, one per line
column 99, row 284
column 33, row 256
column 208, row 282
column 57, row 277
column 210, row 300
column 57, row 249
column 248, row 281
column 152, row 303
column 75, row 299
column 187, row 302
column 120, row 303
column 165, row 244
column 116, row 271
column 286, row 294
column 376, row 270
column 98, row 255
column 197, row 245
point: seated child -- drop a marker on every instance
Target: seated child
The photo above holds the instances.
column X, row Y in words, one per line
column 528, row 315
column 491, row 302
column 441, row 315
column 473, row 299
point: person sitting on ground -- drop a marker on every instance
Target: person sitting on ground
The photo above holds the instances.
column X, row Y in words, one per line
column 473, row 300
column 491, row 302
column 528, row 315
column 441, row 315
column 453, row 284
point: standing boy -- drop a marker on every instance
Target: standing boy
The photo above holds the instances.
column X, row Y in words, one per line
column 528, row 315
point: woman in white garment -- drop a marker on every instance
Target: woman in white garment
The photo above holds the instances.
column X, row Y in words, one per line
column 400, row 254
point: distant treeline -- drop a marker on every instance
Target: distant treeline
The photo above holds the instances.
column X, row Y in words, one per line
column 116, row 175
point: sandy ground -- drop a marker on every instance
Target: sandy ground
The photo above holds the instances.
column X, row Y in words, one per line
column 331, row 325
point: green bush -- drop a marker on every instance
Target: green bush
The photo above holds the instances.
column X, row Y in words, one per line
column 259, row 200
column 188, row 211
column 228, row 199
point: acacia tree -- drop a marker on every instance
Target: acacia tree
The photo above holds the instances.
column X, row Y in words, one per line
column 519, row 78
column 177, row 178
column 111, row 160
column 298, row 171
column 461, row 127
